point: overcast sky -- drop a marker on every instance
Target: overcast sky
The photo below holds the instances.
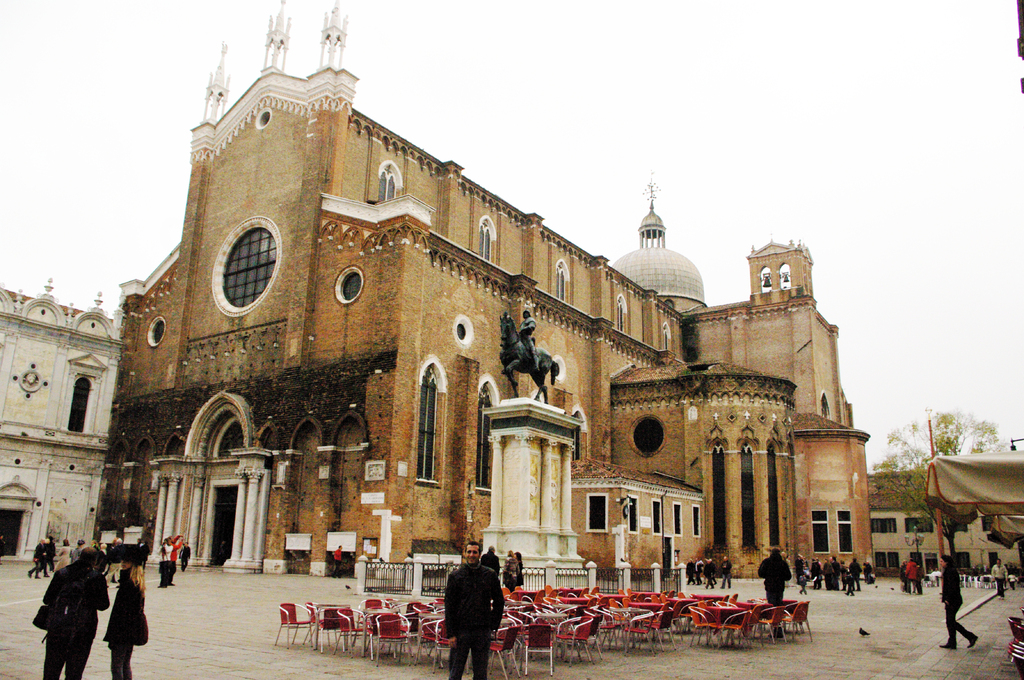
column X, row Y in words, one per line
column 886, row 135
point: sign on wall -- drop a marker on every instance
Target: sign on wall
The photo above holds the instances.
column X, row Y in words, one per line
column 376, row 498
column 375, row 470
column 346, row 540
column 298, row 542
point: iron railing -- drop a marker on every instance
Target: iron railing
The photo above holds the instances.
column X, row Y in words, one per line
column 642, row 580
column 389, row 577
column 610, row 580
column 435, row 578
column 672, row 579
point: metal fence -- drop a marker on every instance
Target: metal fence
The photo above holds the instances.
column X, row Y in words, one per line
column 672, row 579
column 571, row 578
column 533, row 578
column 642, row 580
column 389, row 577
column 435, row 578
column 610, row 580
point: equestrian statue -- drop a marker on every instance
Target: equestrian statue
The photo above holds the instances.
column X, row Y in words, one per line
column 520, row 355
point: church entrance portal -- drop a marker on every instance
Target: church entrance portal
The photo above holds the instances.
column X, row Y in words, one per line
column 224, row 504
column 10, row 529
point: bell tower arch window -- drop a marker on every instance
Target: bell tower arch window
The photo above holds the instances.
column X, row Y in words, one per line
column 766, row 279
column 785, row 277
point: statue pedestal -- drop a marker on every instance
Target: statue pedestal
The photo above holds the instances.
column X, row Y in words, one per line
column 531, row 484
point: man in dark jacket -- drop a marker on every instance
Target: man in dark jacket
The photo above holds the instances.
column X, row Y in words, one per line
column 71, row 626
column 953, row 600
column 51, row 552
column 775, row 572
column 726, row 573
column 473, row 605
column 855, row 573
column 710, row 573
column 490, row 560
column 39, row 560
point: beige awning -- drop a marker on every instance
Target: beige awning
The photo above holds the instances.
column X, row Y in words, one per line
column 963, row 487
column 1007, row 529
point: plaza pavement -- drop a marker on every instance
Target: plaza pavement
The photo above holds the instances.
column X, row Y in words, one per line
column 213, row 626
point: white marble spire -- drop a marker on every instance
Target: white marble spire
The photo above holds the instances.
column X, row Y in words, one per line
column 277, row 42
column 332, row 41
column 217, row 90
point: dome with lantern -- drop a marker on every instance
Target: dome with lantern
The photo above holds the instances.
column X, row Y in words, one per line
column 654, row 266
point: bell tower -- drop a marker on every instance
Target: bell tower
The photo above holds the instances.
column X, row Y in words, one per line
column 779, row 272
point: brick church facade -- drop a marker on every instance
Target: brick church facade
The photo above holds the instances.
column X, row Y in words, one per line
column 308, row 368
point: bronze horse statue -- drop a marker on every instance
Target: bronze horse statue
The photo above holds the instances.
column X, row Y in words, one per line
column 515, row 358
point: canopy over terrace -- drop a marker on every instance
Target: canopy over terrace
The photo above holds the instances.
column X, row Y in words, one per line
column 1007, row 529
column 963, row 487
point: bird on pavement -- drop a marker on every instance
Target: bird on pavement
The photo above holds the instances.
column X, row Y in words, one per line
column 864, row 632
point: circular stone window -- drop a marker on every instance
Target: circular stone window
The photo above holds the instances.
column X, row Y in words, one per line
column 648, row 436
column 156, row 331
column 246, row 266
column 263, row 120
column 349, row 285
column 462, row 331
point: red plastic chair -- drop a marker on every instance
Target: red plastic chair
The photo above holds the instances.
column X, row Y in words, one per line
column 735, row 627
column 504, row 647
column 577, row 633
column 539, row 640
column 390, row 630
column 294, row 620
column 663, row 624
column 640, row 628
column 798, row 620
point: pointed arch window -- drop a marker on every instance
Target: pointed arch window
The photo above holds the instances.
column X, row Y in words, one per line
column 483, row 446
column 387, row 184
column 747, row 495
column 428, row 414
column 486, row 239
column 79, row 405
column 824, row 406
column 666, row 336
column 773, row 496
column 561, row 280
column 718, row 494
column 620, row 314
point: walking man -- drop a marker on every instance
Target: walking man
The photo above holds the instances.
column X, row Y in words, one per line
column 855, row 571
column 726, row 573
column 39, row 558
column 185, row 555
column 999, row 574
column 952, row 598
column 473, row 605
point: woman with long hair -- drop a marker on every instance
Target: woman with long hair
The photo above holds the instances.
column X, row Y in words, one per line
column 126, row 617
column 520, row 577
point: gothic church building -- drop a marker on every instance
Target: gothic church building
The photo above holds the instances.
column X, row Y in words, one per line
column 309, row 367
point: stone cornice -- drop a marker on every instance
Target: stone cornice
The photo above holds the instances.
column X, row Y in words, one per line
column 405, row 205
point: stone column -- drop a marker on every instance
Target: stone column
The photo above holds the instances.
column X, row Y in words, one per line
column 547, row 455
column 566, row 496
column 195, row 516
column 261, row 517
column 251, row 510
column 170, row 515
column 497, row 470
column 161, row 507
column 239, row 528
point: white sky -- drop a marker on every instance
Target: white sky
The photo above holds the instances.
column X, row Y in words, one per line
column 885, row 135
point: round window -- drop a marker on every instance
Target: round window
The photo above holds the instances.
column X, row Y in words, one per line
column 156, row 331
column 350, row 284
column 249, row 267
column 460, row 331
column 648, row 436
column 263, row 120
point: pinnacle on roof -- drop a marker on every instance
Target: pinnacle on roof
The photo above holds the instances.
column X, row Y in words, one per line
column 332, row 41
column 277, row 41
column 217, row 90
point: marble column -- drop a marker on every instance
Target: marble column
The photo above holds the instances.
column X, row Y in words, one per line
column 566, row 495
column 161, row 507
column 261, row 517
column 170, row 515
column 497, row 472
column 544, row 484
column 195, row 516
column 239, row 528
column 251, row 509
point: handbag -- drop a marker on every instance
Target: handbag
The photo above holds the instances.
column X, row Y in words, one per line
column 143, row 636
column 42, row 616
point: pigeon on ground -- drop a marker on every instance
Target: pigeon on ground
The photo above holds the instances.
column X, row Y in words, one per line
column 864, row 632
column 348, row 587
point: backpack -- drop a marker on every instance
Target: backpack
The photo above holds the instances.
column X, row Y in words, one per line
column 67, row 610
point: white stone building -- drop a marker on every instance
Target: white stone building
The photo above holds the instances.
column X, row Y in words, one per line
column 58, row 367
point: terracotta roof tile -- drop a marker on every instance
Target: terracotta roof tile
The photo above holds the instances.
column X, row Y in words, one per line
column 635, row 375
column 812, row 421
column 593, row 469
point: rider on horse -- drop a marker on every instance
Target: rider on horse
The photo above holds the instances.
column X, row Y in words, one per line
column 526, row 330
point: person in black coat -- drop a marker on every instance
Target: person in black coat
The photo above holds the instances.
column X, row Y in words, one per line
column 490, row 560
column 473, row 605
column 69, row 637
column 125, row 627
column 775, row 572
column 953, row 600
column 51, row 552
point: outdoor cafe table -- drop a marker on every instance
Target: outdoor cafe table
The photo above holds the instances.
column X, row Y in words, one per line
column 550, row 617
column 722, row 613
column 574, row 600
column 648, row 606
column 570, row 592
column 706, row 596
column 520, row 594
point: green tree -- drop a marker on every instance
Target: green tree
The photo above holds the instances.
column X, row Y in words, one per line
column 901, row 477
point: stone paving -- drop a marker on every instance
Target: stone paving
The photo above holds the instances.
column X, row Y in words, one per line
column 213, row 625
